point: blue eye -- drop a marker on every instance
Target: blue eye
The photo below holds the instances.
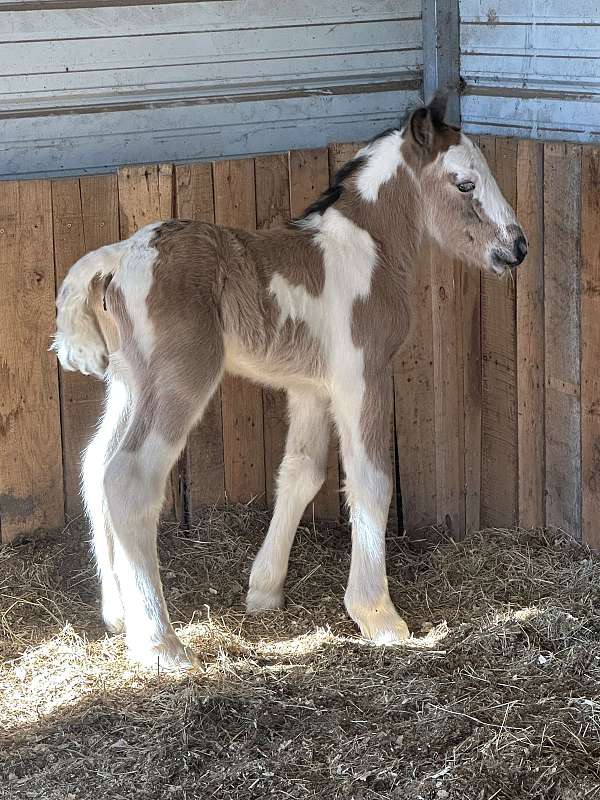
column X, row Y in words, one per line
column 467, row 186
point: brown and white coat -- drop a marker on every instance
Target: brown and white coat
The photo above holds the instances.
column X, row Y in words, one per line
column 318, row 308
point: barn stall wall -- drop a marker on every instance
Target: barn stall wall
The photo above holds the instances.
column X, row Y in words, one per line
column 88, row 86
column 496, row 390
column 531, row 68
column 496, row 419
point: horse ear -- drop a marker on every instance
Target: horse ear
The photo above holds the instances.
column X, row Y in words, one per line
column 427, row 120
column 437, row 109
column 421, row 128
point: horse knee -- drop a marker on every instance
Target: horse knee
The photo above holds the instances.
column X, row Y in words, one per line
column 302, row 473
column 134, row 481
column 127, row 492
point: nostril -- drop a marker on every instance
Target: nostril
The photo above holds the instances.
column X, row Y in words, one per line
column 521, row 248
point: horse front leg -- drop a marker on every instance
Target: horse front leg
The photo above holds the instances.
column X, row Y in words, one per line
column 362, row 411
column 300, row 477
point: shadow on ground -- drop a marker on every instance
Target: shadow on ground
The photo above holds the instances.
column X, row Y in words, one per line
column 497, row 695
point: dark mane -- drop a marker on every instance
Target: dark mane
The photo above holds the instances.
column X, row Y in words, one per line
column 335, row 189
column 333, row 192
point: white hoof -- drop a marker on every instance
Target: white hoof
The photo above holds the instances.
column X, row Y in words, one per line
column 258, row 600
column 112, row 614
column 170, row 655
column 380, row 623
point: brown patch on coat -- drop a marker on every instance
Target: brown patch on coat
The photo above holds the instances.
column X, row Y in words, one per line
column 208, row 284
column 381, row 321
column 174, row 384
column 227, row 273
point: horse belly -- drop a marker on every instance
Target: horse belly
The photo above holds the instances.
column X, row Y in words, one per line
column 291, row 359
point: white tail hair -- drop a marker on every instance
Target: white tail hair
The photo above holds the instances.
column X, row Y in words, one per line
column 78, row 341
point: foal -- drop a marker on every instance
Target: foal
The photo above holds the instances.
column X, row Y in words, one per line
column 318, row 308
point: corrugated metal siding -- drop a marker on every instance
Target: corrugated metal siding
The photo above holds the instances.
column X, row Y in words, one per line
column 531, row 68
column 86, row 86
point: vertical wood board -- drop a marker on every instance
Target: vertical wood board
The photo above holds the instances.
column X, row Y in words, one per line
column 31, row 474
column 590, row 346
column 415, row 406
column 562, row 173
column 204, row 466
column 448, row 372
column 499, row 467
column 242, row 403
column 530, row 337
column 85, row 217
column 470, row 319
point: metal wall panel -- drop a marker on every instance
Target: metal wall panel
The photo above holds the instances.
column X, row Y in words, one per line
column 87, row 86
column 531, row 68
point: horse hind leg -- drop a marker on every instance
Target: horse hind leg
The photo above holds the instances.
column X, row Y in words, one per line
column 134, row 484
column 96, row 456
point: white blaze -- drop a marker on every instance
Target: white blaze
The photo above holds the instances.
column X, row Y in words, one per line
column 468, row 164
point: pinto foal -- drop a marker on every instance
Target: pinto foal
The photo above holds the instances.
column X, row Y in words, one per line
column 318, row 308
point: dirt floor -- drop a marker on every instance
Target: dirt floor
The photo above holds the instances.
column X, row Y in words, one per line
column 497, row 696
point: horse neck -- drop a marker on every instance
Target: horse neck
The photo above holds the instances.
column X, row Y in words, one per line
column 395, row 220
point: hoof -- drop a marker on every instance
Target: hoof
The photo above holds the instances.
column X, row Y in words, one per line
column 170, row 655
column 381, row 624
column 258, row 601
column 112, row 614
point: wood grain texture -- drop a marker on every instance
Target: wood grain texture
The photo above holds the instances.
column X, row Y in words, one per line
column 469, row 280
column 530, row 337
column 415, row 407
column 499, row 467
column 146, row 195
column 242, row 403
column 340, row 153
column 85, row 217
column 273, row 210
column 590, row 347
column 470, row 317
column 562, row 174
column 31, row 475
column 309, row 176
column 448, row 372
column 204, row 466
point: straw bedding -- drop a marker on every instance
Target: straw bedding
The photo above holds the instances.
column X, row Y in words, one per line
column 497, row 696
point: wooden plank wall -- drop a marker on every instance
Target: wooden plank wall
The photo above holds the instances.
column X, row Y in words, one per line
column 496, row 389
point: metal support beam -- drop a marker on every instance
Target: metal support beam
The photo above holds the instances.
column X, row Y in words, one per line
column 441, row 53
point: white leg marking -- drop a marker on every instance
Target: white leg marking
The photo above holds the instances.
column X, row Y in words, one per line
column 369, row 493
column 135, row 485
column 301, row 475
column 94, row 462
